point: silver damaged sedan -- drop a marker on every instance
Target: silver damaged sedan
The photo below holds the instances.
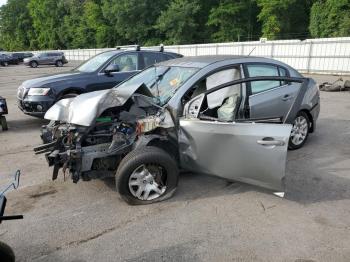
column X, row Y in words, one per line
column 228, row 116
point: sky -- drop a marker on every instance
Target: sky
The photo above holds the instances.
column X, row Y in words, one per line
column 2, row 2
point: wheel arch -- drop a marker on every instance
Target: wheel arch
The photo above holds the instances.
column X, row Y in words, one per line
column 70, row 90
column 161, row 142
column 311, row 119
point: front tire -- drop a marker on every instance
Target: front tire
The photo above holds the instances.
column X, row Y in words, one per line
column 147, row 175
column 59, row 63
column 33, row 64
column 300, row 131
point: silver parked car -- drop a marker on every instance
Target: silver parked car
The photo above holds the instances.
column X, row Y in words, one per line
column 229, row 116
column 49, row 58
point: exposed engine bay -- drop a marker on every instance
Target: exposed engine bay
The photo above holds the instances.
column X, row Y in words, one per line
column 95, row 151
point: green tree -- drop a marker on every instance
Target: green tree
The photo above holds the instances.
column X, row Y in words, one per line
column 234, row 20
column 284, row 18
column 15, row 26
column 178, row 22
column 47, row 17
column 95, row 21
column 132, row 20
column 330, row 18
column 73, row 30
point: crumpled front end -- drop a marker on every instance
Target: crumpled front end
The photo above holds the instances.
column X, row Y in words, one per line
column 96, row 150
column 86, row 154
column 84, row 109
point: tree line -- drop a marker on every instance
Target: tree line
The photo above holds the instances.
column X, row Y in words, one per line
column 65, row 24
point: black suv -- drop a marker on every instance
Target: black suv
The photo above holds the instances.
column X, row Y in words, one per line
column 50, row 58
column 13, row 59
column 21, row 56
column 102, row 71
column 5, row 60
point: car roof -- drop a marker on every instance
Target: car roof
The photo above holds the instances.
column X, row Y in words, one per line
column 117, row 51
column 203, row 61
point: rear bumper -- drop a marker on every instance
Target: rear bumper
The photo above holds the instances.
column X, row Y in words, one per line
column 35, row 105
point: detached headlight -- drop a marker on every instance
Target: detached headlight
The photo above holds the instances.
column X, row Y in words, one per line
column 38, row 91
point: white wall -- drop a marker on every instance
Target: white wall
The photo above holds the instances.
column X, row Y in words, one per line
column 327, row 56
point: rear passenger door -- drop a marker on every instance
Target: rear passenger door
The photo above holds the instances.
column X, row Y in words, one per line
column 44, row 59
column 52, row 58
column 269, row 99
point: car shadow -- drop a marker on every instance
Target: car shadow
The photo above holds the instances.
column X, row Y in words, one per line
column 315, row 186
column 316, row 173
column 27, row 124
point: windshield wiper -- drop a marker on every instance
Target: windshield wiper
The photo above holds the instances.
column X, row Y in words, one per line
column 157, row 80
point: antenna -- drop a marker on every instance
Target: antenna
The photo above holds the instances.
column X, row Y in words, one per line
column 252, row 51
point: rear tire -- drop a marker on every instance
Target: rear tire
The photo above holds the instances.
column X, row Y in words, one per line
column 59, row 63
column 5, row 63
column 300, row 131
column 158, row 179
column 33, row 64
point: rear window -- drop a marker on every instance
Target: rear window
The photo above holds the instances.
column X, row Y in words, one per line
column 150, row 58
column 265, row 70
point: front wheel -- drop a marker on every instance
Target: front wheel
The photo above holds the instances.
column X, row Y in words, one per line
column 300, row 131
column 147, row 175
column 59, row 63
column 33, row 64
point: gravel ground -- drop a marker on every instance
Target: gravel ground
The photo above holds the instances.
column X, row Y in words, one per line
column 208, row 219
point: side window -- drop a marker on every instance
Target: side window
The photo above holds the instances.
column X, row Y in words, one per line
column 126, row 62
column 220, row 105
column 150, row 58
column 263, row 70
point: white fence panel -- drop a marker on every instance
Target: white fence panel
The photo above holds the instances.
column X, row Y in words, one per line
column 327, row 56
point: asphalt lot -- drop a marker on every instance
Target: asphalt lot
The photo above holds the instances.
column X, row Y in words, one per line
column 208, row 219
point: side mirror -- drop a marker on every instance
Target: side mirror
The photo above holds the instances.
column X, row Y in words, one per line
column 193, row 107
column 112, row 68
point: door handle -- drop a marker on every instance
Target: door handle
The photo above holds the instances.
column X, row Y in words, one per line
column 287, row 97
column 271, row 142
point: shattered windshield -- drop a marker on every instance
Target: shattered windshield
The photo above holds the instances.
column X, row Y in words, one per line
column 162, row 81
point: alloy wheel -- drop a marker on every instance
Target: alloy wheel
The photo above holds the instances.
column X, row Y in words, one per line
column 300, row 130
column 147, row 182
